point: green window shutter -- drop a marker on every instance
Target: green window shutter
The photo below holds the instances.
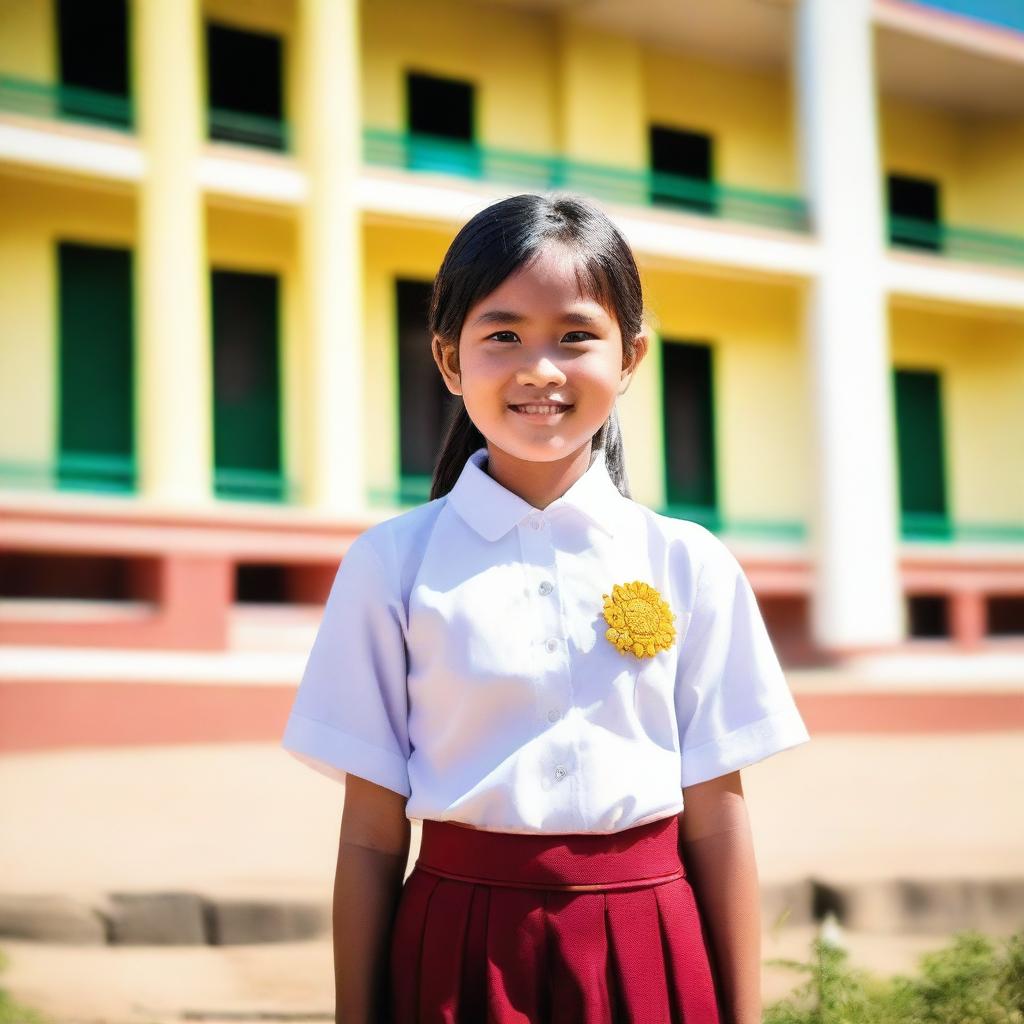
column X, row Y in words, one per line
column 246, row 385
column 689, row 439
column 922, row 479
column 95, row 376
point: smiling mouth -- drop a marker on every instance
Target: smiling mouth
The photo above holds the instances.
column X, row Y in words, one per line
column 539, row 409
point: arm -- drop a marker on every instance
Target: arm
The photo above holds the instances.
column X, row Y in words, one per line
column 373, row 849
column 718, row 852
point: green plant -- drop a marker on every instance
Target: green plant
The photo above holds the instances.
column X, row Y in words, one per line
column 974, row 980
column 12, row 1012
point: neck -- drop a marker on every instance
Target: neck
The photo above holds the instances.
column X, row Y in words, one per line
column 538, row 483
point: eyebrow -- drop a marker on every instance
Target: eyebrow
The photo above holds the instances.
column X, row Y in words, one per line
column 505, row 316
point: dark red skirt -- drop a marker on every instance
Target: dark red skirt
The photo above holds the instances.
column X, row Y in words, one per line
column 487, row 931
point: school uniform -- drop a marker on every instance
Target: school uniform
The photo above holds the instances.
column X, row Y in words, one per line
column 552, row 678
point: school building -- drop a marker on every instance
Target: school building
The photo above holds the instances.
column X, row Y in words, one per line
column 219, row 222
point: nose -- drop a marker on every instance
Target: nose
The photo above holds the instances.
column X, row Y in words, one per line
column 540, row 370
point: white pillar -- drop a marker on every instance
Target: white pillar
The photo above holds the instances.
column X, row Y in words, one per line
column 855, row 519
column 330, row 148
column 175, row 419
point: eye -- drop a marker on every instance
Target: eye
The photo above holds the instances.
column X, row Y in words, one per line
column 582, row 335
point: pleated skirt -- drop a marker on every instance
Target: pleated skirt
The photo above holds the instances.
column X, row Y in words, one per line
column 495, row 927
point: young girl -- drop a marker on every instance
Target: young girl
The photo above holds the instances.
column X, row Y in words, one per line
column 545, row 673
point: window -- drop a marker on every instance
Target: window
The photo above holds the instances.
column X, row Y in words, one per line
column 440, row 121
column 914, row 212
column 244, row 92
column 922, row 480
column 95, row 376
column 681, row 166
column 687, row 401
column 246, row 403
column 92, row 57
column 424, row 401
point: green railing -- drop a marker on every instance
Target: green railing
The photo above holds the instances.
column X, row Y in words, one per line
column 65, row 102
column 925, row 526
column 617, row 184
column 251, row 485
column 73, row 471
column 412, row 490
column 248, row 129
column 955, row 242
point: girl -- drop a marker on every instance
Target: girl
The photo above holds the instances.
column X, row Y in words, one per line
column 545, row 673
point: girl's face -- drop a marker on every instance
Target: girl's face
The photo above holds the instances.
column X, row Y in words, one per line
column 536, row 340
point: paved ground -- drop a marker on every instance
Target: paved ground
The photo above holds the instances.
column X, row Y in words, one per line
column 248, row 819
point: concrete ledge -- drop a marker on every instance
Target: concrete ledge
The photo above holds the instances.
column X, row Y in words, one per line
column 885, row 906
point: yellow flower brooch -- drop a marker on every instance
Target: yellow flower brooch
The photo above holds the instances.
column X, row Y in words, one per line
column 639, row 620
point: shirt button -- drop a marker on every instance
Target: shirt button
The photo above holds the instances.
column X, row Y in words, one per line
column 536, row 524
column 559, row 771
column 545, row 587
column 552, row 644
column 554, row 714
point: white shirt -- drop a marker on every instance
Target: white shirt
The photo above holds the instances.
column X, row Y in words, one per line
column 464, row 661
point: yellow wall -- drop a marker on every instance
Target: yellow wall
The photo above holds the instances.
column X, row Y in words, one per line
column 981, row 368
column 747, row 113
column 28, row 48
column 35, row 216
column 509, row 55
column 760, row 390
column 978, row 162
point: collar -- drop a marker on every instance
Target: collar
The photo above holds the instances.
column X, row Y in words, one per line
column 492, row 510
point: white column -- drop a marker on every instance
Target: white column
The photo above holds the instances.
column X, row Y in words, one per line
column 175, row 418
column 330, row 148
column 855, row 519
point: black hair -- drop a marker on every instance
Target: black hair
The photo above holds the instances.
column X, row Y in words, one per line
column 493, row 245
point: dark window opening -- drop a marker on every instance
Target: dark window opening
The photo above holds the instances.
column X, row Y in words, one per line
column 922, row 481
column 92, row 60
column 441, row 116
column 261, row 584
column 914, row 212
column 424, row 401
column 95, row 375
column 246, row 386
column 45, row 576
column 244, row 73
column 1005, row 615
column 280, row 583
column 928, row 615
column 687, row 401
column 682, row 174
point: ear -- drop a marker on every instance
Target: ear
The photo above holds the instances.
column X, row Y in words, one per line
column 447, row 358
column 641, row 343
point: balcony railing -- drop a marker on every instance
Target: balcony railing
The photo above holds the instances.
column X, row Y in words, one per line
column 1005, row 13
column 956, row 242
column 248, row 129
column 251, row 485
column 65, row 102
column 928, row 526
column 95, row 473
column 615, row 184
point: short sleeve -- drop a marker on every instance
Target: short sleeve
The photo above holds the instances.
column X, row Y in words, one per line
column 350, row 713
column 733, row 703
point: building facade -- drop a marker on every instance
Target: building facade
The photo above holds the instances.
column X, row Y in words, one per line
column 219, row 223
